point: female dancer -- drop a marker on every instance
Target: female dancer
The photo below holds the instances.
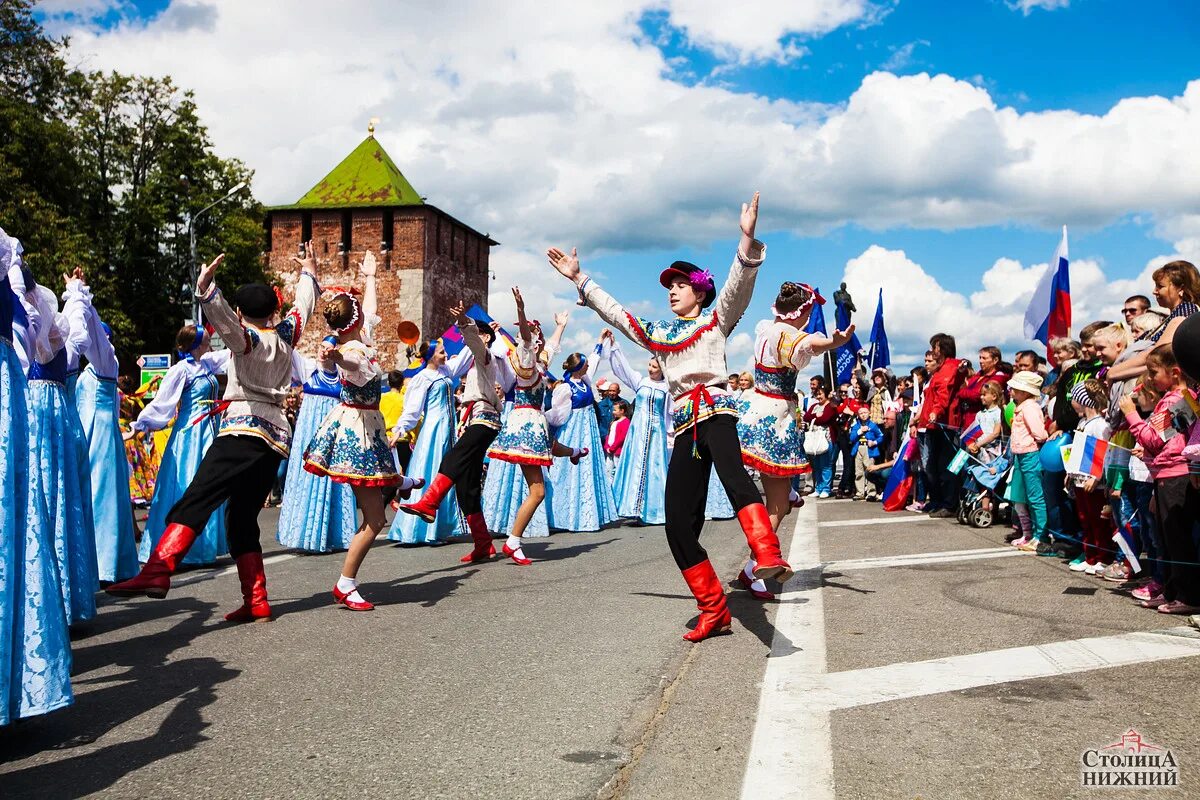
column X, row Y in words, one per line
column 767, row 429
column 581, row 498
column 525, row 438
column 641, row 474
column 318, row 513
column 691, row 351
column 60, row 478
column 351, row 445
column 462, row 467
column 187, row 394
column 35, row 648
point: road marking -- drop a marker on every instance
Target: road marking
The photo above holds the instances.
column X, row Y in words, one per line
column 917, row 559
column 791, row 753
column 862, row 687
column 853, row 523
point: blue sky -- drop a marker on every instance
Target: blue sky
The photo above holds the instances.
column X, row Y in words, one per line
column 927, row 148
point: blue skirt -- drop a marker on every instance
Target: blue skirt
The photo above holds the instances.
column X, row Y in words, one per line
column 718, row 505
column 112, row 510
column 581, row 498
column 433, row 442
column 504, row 490
column 60, row 481
column 640, row 479
column 317, row 515
column 184, row 452
column 35, row 647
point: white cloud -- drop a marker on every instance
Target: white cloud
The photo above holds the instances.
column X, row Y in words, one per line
column 901, row 57
column 1026, row 7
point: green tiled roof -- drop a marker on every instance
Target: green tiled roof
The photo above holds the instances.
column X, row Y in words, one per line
column 366, row 177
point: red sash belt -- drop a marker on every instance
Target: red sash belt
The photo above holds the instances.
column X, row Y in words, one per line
column 698, row 395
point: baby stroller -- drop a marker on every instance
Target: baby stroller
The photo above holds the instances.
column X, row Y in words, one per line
column 985, row 481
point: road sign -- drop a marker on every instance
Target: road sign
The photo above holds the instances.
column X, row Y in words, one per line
column 153, row 365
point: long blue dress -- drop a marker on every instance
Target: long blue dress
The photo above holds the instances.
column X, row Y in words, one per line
column 718, row 505
column 318, row 515
column 99, row 407
column 436, row 438
column 640, row 479
column 504, row 490
column 582, row 499
column 185, row 449
column 60, row 478
column 35, row 647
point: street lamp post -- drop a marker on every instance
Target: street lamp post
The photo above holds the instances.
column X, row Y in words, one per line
column 194, row 270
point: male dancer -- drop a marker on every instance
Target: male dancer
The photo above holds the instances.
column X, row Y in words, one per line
column 691, row 351
column 462, row 466
column 255, row 436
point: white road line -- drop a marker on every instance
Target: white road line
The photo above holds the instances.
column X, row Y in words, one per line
column 924, row 558
column 862, row 687
column 854, row 523
column 791, row 754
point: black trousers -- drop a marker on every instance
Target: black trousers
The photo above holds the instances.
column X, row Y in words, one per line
column 1178, row 504
column 464, row 465
column 717, row 446
column 845, row 450
column 240, row 469
column 941, row 485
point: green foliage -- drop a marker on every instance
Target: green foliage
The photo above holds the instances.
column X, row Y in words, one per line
column 102, row 171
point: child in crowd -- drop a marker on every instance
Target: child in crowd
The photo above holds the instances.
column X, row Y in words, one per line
column 1090, row 400
column 988, row 447
column 1028, row 435
column 1177, row 499
column 865, row 438
column 615, row 441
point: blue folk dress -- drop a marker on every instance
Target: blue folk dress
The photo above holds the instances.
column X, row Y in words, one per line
column 640, row 478
column 188, row 394
column 318, row 515
column 504, row 490
column 581, row 498
column 35, row 647
column 437, row 436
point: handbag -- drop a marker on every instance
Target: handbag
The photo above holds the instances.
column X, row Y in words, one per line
column 816, row 440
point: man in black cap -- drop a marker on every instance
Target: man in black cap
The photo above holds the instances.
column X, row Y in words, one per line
column 255, row 436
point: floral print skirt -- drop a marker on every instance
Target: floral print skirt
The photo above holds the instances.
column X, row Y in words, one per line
column 770, row 437
column 350, row 446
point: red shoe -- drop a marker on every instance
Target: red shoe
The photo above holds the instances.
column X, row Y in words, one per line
column 155, row 578
column 583, row 453
column 484, row 549
column 764, row 544
column 748, row 585
column 710, row 599
column 426, row 508
column 524, row 562
column 404, row 494
column 255, row 607
column 353, row 605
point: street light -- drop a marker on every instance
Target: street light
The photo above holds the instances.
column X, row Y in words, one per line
column 195, row 261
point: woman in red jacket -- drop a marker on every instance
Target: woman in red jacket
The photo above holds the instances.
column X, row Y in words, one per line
column 818, row 422
column 991, row 368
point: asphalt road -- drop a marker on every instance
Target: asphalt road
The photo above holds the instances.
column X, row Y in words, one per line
column 569, row 679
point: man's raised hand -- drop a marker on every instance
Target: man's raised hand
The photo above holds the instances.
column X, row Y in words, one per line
column 750, row 216
column 309, row 262
column 207, row 273
column 567, row 265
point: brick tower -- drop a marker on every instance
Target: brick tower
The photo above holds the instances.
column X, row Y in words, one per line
column 427, row 258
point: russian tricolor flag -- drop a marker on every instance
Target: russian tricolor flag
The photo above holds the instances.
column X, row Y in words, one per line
column 971, row 434
column 1087, row 456
column 900, row 482
column 1049, row 313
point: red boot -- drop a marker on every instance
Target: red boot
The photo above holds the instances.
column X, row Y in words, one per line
column 764, row 544
column 484, row 549
column 426, row 508
column 254, row 590
column 710, row 599
column 155, row 578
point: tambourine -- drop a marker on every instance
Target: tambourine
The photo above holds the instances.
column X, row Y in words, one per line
column 408, row 332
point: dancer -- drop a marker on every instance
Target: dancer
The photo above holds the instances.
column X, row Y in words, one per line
column 318, row 514
column 187, row 394
column 580, row 496
column 767, row 429
column 640, row 479
column 35, row 647
column 525, row 438
column 691, row 351
column 462, row 467
column 351, row 445
column 59, row 475
column 240, row 466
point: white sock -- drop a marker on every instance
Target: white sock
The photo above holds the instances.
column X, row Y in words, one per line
column 750, row 565
column 755, row 583
column 345, row 584
column 793, row 496
column 407, row 484
column 576, row 452
column 514, row 544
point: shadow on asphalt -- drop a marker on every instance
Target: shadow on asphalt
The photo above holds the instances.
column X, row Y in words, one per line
column 148, row 682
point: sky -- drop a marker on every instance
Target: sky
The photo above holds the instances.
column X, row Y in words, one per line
column 927, row 149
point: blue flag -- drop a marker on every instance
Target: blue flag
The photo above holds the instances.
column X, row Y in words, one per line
column 847, row 354
column 880, row 356
column 816, row 321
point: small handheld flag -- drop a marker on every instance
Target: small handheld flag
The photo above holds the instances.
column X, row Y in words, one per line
column 972, row 434
column 1125, row 540
column 958, row 462
column 1087, row 456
